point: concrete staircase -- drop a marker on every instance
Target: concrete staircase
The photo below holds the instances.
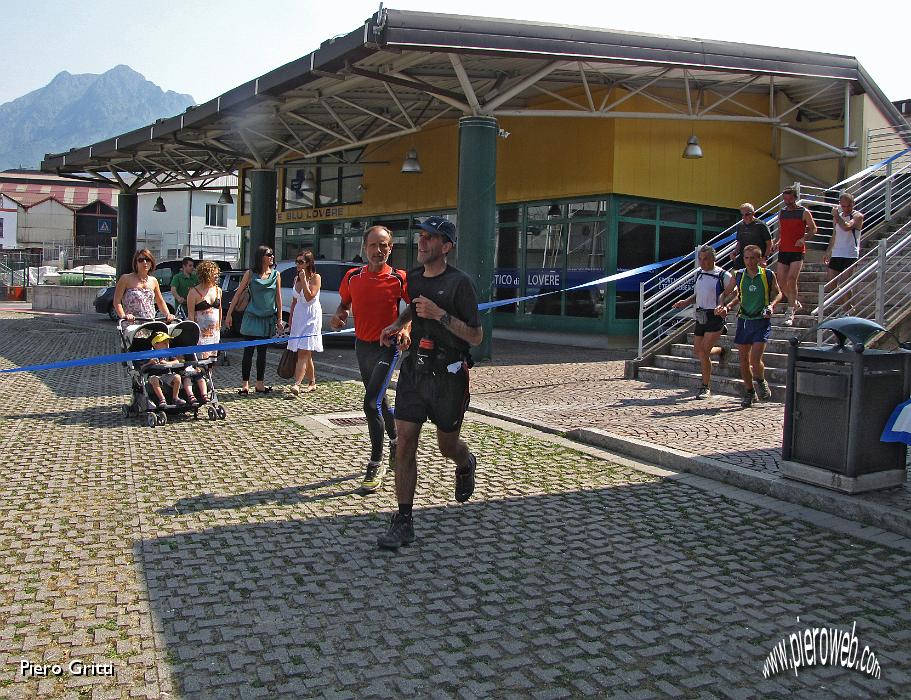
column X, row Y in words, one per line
column 678, row 366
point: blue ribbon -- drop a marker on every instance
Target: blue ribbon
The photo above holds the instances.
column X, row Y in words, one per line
column 164, row 352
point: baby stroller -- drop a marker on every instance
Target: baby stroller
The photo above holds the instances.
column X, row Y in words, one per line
column 137, row 337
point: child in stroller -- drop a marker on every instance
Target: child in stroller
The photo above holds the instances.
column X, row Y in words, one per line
column 151, row 379
column 159, row 371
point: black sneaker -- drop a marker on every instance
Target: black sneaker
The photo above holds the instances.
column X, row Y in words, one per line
column 401, row 531
column 748, row 398
column 464, row 485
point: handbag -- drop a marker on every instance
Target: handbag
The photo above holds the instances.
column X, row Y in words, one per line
column 240, row 303
column 286, row 364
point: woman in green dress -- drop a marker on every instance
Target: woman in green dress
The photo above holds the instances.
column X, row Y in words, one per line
column 261, row 317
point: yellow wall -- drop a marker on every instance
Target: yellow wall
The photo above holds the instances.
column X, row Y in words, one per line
column 552, row 158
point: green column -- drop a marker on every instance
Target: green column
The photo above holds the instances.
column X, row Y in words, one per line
column 262, row 209
column 127, row 208
column 477, row 211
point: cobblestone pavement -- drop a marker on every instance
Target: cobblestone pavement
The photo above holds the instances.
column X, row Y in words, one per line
column 236, row 559
column 570, row 387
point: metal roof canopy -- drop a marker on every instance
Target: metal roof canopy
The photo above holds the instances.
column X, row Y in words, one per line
column 402, row 70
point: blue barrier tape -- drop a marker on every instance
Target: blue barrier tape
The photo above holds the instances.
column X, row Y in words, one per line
column 175, row 352
column 169, row 352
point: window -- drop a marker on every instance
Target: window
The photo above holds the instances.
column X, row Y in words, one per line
column 215, row 215
column 335, row 182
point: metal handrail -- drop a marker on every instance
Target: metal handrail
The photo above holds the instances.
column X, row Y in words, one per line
column 877, row 286
column 890, row 191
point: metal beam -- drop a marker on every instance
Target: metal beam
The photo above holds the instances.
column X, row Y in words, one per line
column 588, row 92
column 670, row 116
column 520, row 86
column 376, row 115
column 467, row 87
column 561, row 98
column 398, row 104
column 317, row 125
column 332, row 113
column 725, row 98
column 818, row 142
column 804, row 101
column 628, row 95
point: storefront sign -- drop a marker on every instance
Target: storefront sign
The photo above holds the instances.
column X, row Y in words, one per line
column 535, row 278
column 308, row 214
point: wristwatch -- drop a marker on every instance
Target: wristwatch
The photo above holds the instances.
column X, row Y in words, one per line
column 445, row 320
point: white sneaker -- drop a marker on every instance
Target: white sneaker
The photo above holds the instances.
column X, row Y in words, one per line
column 789, row 319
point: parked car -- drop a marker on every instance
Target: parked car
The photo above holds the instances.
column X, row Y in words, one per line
column 104, row 301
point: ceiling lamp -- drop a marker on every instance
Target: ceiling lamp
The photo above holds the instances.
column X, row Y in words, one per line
column 355, row 224
column 226, row 197
column 411, row 163
column 554, row 211
column 159, row 205
column 692, row 149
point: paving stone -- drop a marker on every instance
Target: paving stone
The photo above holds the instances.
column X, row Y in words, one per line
column 235, row 558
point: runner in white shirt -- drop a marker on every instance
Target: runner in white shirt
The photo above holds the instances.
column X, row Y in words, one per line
column 844, row 245
column 708, row 295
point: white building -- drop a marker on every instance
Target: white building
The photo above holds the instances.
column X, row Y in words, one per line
column 8, row 216
column 194, row 224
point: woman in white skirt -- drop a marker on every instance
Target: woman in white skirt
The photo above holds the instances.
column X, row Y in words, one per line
column 307, row 321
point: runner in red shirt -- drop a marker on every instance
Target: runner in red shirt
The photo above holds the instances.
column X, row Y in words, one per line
column 374, row 292
column 795, row 226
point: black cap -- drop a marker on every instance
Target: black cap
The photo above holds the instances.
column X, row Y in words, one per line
column 439, row 225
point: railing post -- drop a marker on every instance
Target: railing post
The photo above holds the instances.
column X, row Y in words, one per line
column 881, row 282
column 888, row 191
column 821, row 312
column 641, row 317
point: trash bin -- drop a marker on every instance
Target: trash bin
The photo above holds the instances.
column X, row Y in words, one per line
column 839, row 398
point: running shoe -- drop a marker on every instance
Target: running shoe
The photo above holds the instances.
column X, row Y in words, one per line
column 373, row 478
column 748, row 398
column 789, row 319
column 763, row 390
column 464, row 482
column 704, row 393
column 401, row 531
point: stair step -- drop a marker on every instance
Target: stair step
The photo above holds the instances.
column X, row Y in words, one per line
column 721, row 385
column 771, row 359
column 775, row 345
column 775, row 375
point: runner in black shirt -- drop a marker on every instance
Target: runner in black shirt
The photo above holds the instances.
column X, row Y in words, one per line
column 433, row 381
column 751, row 231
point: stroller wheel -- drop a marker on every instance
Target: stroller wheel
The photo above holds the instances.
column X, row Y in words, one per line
column 125, row 410
column 220, row 412
column 151, row 420
column 213, row 415
column 162, row 418
column 195, row 414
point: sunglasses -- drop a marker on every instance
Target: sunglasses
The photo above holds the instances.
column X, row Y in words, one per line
column 145, row 260
column 270, row 255
column 301, row 262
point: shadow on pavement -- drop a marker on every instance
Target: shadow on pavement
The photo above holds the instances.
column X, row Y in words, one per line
column 599, row 592
column 286, row 496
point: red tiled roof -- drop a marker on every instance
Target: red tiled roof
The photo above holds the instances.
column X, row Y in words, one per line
column 71, row 195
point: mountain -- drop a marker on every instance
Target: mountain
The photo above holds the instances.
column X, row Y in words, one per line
column 78, row 110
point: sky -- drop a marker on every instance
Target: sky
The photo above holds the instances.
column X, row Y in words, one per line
column 207, row 48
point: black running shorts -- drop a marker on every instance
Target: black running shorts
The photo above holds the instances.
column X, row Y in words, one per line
column 440, row 398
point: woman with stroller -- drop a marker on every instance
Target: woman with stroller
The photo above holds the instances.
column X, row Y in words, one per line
column 260, row 317
column 137, row 292
column 306, row 321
